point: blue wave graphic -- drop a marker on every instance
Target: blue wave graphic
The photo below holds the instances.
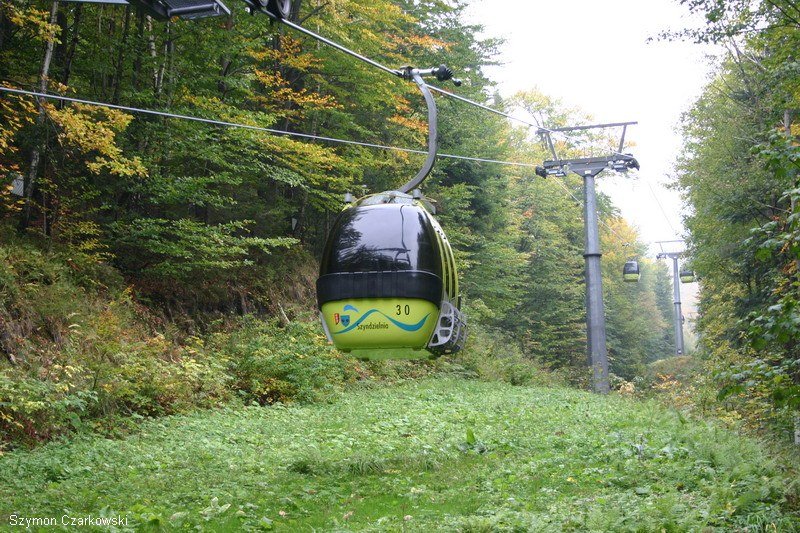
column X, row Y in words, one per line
column 349, row 307
column 401, row 325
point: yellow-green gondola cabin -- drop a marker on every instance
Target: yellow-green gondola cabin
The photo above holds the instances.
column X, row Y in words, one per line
column 630, row 272
column 388, row 286
column 687, row 276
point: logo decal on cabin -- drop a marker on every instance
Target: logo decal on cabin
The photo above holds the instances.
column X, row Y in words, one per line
column 402, row 325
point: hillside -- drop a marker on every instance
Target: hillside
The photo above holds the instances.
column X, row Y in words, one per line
column 451, row 454
column 174, row 191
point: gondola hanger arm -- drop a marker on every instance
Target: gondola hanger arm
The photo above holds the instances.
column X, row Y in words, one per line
column 442, row 73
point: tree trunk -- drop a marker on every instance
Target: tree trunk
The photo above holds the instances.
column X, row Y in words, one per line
column 166, row 69
column 787, row 124
column 151, row 47
column 121, row 56
column 224, row 65
column 73, row 44
column 60, row 48
column 294, row 16
column 4, row 25
column 170, row 61
column 36, row 153
column 137, row 62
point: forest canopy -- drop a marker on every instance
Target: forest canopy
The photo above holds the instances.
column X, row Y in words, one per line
column 201, row 221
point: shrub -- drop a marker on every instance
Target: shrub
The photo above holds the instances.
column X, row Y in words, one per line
column 492, row 356
column 34, row 409
column 269, row 363
column 79, row 352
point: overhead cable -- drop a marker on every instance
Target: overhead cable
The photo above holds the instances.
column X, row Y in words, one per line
column 661, row 207
column 399, row 73
column 257, row 128
column 539, row 129
column 341, row 48
column 580, row 203
column 280, row 132
column 482, row 106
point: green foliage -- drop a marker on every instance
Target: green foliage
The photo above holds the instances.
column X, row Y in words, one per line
column 81, row 353
column 426, row 455
column 551, row 311
column 76, row 361
column 639, row 320
column 34, row 408
column 192, row 214
column 493, row 355
column 185, row 249
column 187, row 217
column 740, row 168
column 268, row 363
column 729, row 19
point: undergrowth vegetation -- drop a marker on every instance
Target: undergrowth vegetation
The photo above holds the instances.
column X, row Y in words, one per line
column 700, row 386
column 83, row 354
column 425, row 455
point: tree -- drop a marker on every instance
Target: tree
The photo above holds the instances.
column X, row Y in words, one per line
column 740, row 168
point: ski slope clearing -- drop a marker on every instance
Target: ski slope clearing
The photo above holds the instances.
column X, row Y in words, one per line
column 437, row 454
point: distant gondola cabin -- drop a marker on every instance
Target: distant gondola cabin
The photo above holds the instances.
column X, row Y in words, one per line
column 687, row 276
column 388, row 286
column 630, row 272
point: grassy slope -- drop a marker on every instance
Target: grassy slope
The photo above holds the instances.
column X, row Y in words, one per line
column 398, row 458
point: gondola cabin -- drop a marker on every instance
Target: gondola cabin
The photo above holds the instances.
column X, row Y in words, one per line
column 388, row 287
column 687, row 276
column 630, row 272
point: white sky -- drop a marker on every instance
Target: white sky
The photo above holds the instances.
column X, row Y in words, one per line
column 595, row 56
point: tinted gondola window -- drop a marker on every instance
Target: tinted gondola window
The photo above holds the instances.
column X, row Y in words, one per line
column 382, row 238
column 631, row 267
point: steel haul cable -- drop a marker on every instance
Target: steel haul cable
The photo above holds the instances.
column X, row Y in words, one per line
column 398, row 73
column 663, row 212
column 282, row 132
column 354, row 54
column 256, row 128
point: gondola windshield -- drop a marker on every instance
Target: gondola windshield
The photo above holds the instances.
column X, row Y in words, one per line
column 630, row 272
column 373, row 238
